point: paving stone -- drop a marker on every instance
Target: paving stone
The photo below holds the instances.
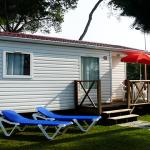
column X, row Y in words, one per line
column 137, row 124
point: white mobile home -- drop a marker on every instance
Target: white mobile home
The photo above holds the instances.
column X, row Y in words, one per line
column 40, row 71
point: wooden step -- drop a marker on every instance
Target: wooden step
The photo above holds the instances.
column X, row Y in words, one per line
column 123, row 117
column 138, row 104
column 116, row 111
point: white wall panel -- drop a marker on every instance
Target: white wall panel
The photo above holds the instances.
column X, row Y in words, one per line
column 54, row 70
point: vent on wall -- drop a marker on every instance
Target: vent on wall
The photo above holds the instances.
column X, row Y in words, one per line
column 104, row 57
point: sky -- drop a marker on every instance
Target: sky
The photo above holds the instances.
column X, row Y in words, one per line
column 106, row 27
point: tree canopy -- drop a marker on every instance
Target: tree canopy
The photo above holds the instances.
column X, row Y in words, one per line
column 31, row 15
column 137, row 9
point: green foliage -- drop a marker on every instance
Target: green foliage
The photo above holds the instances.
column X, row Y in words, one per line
column 133, row 71
column 31, row 15
column 137, row 9
column 148, row 72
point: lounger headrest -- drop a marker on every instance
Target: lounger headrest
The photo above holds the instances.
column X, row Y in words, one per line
column 44, row 111
column 12, row 115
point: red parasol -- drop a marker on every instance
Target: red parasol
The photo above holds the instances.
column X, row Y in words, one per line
column 142, row 58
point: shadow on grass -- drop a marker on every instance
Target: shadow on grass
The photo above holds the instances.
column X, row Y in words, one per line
column 95, row 139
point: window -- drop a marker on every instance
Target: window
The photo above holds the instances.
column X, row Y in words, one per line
column 89, row 68
column 17, row 64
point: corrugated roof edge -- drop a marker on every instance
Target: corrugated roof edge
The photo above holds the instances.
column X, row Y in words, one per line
column 63, row 40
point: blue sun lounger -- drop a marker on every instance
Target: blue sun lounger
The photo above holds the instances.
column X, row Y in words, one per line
column 17, row 120
column 43, row 112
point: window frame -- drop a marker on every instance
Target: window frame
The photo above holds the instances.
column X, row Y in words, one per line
column 17, row 76
column 99, row 75
column 93, row 56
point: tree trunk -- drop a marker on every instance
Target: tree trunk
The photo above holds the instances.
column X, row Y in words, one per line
column 90, row 19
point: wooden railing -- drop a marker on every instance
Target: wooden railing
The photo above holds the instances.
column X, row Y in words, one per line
column 138, row 92
column 88, row 93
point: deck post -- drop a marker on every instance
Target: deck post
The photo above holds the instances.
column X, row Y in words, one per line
column 99, row 96
column 128, row 93
column 148, row 91
column 76, row 94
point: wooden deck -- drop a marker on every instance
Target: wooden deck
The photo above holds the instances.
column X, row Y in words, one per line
column 138, row 94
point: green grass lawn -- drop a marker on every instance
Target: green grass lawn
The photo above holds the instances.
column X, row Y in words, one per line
column 99, row 138
column 144, row 118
